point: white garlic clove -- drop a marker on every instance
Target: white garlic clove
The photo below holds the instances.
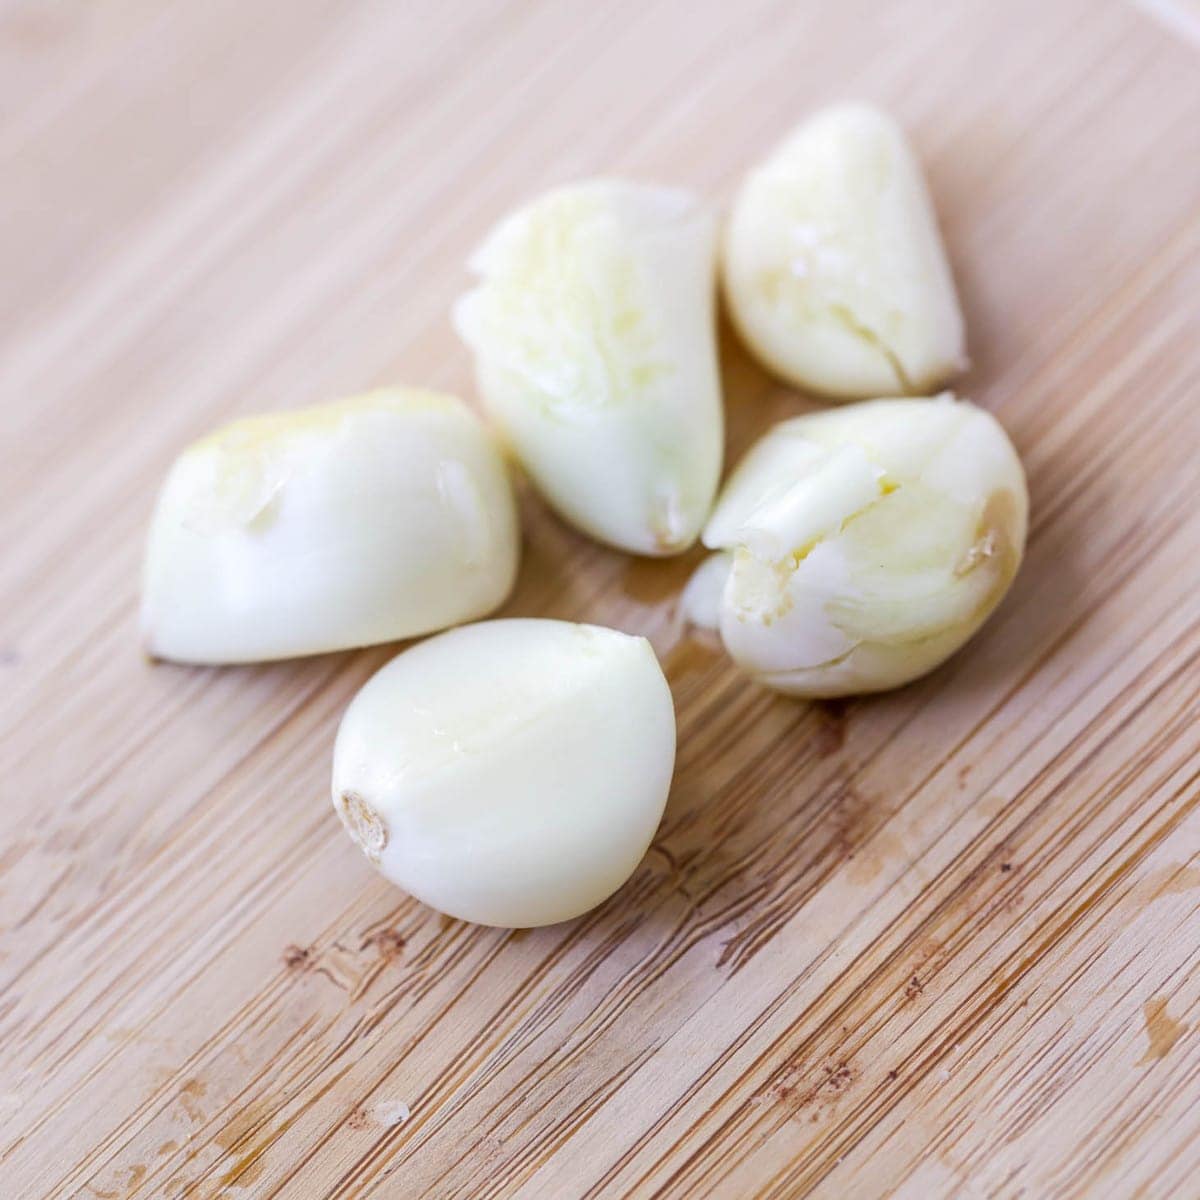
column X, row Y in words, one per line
column 375, row 518
column 861, row 546
column 512, row 772
column 833, row 266
column 593, row 332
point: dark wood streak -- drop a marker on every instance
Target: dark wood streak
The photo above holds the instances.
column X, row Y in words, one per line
column 870, row 986
column 989, row 996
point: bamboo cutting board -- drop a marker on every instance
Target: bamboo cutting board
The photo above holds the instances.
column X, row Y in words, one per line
column 941, row 943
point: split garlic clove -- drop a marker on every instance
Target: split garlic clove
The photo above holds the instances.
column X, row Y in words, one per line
column 861, row 546
column 593, row 332
column 512, row 772
column 380, row 517
column 833, row 266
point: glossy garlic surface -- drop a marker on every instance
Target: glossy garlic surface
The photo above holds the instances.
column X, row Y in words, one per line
column 379, row 517
column 861, row 546
column 833, row 266
column 511, row 772
column 592, row 327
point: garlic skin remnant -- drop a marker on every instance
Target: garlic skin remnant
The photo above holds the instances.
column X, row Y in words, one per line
column 861, row 546
column 375, row 518
column 833, row 266
column 511, row 772
column 593, row 332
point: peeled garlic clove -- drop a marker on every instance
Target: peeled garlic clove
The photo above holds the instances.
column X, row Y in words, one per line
column 593, row 333
column 833, row 266
column 861, row 546
column 511, row 772
column 376, row 518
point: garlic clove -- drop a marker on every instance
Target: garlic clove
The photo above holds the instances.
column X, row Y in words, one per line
column 864, row 545
column 833, row 266
column 511, row 772
column 593, row 331
column 376, row 518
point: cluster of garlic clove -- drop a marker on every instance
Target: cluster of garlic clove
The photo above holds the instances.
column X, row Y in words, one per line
column 833, row 266
column 379, row 517
column 592, row 327
column 859, row 547
column 511, row 772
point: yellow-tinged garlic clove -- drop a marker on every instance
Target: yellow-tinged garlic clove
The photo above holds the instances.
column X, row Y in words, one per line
column 375, row 518
column 833, row 266
column 592, row 327
column 510, row 772
column 861, row 546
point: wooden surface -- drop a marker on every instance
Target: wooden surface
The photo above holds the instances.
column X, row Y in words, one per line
column 940, row 943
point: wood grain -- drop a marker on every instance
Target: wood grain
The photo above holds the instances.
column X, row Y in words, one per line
column 938, row 943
